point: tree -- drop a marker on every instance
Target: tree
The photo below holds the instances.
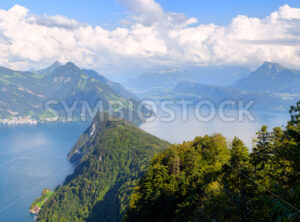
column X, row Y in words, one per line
column 261, row 152
column 235, row 182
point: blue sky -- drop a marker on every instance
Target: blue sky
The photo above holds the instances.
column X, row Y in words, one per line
column 115, row 36
column 107, row 13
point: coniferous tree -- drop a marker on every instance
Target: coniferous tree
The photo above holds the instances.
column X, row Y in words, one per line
column 207, row 181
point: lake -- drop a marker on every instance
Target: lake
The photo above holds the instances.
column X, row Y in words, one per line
column 185, row 125
column 35, row 157
column 32, row 158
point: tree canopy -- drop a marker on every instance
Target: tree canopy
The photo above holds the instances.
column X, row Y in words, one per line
column 208, row 179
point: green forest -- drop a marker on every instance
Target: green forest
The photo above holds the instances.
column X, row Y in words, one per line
column 114, row 155
column 124, row 173
column 209, row 179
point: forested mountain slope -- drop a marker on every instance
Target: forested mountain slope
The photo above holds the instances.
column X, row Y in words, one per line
column 208, row 179
column 110, row 156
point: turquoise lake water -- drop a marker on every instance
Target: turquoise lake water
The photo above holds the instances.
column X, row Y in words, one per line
column 33, row 158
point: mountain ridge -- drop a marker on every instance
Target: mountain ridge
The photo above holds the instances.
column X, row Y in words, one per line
column 24, row 94
column 271, row 77
column 167, row 78
column 113, row 155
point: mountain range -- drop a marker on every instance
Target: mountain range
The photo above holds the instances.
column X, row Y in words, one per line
column 263, row 101
column 24, row 94
column 163, row 79
column 271, row 86
column 119, row 173
column 157, row 80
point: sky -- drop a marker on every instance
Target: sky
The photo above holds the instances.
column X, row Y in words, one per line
column 107, row 13
column 113, row 36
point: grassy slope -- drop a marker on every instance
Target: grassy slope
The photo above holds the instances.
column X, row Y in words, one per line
column 25, row 93
column 42, row 199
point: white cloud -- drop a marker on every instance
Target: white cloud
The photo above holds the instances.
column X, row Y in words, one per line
column 56, row 21
column 146, row 12
column 153, row 37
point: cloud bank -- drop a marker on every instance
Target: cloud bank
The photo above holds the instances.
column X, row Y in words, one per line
column 148, row 37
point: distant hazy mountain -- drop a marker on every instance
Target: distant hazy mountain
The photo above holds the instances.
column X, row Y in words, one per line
column 273, row 87
column 196, row 91
column 271, row 77
column 218, row 94
column 160, row 79
column 218, row 75
column 49, row 69
column 110, row 156
column 164, row 79
column 115, row 86
column 25, row 93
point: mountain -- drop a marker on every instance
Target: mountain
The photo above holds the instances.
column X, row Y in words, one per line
column 164, row 79
column 115, row 86
column 263, row 101
column 195, row 92
column 217, row 75
column 24, row 94
column 271, row 77
column 272, row 87
column 204, row 91
column 49, row 69
column 109, row 157
column 157, row 80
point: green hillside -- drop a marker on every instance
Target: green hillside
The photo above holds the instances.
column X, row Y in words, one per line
column 208, row 179
column 24, row 94
column 110, row 156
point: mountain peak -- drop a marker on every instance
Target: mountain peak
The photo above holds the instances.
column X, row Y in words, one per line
column 271, row 77
column 50, row 68
column 69, row 70
column 56, row 64
column 70, row 64
column 273, row 67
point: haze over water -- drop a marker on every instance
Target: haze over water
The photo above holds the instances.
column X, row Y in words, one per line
column 179, row 130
